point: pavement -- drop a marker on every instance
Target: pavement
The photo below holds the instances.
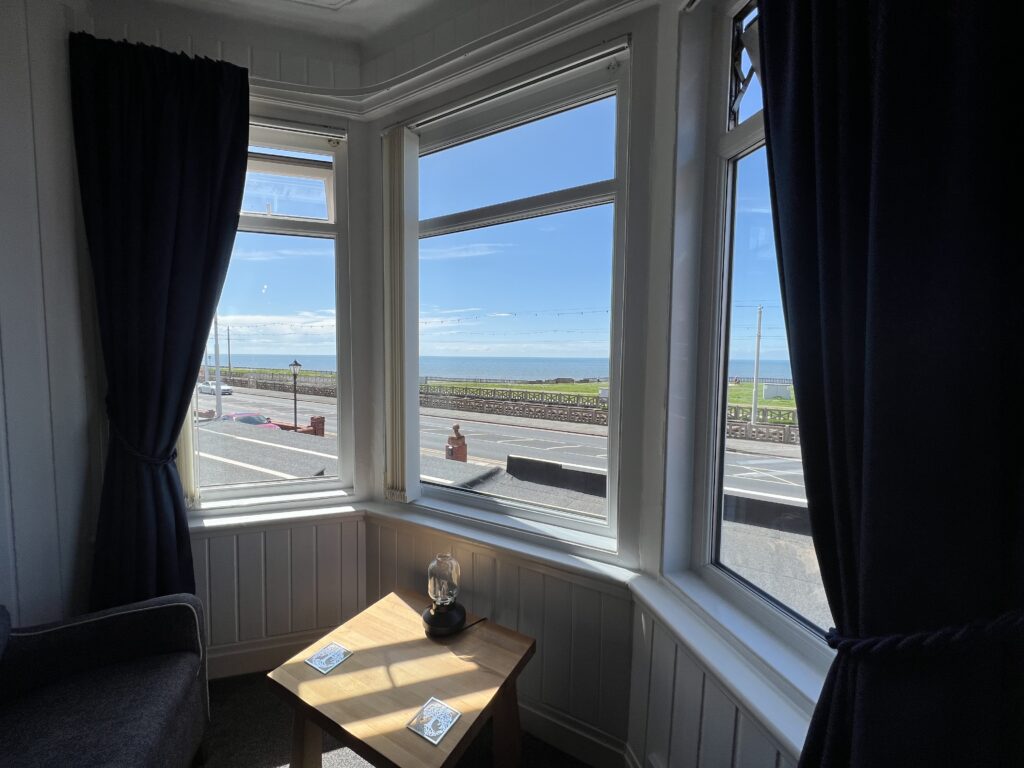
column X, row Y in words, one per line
column 231, row 452
column 491, row 442
column 762, row 447
column 494, row 481
column 781, row 564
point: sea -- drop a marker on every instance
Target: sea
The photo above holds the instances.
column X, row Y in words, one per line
column 511, row 368
column 768, row 369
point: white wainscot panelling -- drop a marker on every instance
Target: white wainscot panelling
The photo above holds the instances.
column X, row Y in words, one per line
column 681, row 717
column 270, row 591
column 575, row 690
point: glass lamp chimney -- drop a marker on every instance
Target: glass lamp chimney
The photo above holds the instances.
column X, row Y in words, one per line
column 443, row 578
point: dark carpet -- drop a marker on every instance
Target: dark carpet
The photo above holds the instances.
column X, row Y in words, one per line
column 251, row 727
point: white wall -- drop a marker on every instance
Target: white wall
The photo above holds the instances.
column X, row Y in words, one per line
column 47, row 334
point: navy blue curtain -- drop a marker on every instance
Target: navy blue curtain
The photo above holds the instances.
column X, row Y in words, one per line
column 894, row 169
column 161, row 141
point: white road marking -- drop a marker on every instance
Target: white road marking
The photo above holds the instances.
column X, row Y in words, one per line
column 769, row 477
column 762, row 473
column 745, row 492
column 272, row 472
column 272, row 445
column 478, row 461
column 770, row 461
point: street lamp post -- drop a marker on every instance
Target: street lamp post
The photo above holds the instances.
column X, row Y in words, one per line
column 295, row 366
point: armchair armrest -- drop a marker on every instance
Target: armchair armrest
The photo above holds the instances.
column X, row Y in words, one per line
column 39, row 654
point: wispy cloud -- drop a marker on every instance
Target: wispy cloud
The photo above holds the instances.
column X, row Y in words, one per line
column 297, row 319
column 278, row 254
column 468, row 251
column 310, row 332
column 457, row 311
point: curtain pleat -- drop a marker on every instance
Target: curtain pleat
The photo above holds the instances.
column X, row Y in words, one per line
column 161, row 142
column 894, row 173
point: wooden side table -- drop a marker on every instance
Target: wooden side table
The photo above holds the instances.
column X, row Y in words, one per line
column 368, row 699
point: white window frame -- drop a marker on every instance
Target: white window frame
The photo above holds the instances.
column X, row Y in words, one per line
column 293, row 167
column 594, row 74
column 224, row 499
column 786, row 649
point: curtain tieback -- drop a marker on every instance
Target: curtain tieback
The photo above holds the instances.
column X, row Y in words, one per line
column 1007, row 626
column 131, row 450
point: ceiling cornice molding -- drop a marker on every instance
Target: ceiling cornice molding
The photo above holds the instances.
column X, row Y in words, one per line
column 492, row 51
column 338, row 19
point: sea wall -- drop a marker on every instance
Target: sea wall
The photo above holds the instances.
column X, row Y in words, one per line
column 520, row 408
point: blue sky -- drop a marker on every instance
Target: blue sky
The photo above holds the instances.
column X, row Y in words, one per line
column 278, row 296
column 755, row 275
column 565, row 150
column 535, row 288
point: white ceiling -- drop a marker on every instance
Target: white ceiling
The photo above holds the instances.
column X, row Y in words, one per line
column 355, row 20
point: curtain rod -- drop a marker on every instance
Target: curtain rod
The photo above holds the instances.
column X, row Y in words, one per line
column 324, row 131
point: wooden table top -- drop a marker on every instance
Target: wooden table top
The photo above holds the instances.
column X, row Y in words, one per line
column 394, row 668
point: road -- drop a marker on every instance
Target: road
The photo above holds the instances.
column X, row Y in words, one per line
column 249, row 454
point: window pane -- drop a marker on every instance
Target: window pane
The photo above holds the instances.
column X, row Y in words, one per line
column 276, row 194
column 746, row 83
column 750, row 104
column 764, row 535
column 514, row 344
column 564, row 150
column 277, row 305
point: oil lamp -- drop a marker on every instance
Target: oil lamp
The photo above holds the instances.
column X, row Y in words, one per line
column 445, row 616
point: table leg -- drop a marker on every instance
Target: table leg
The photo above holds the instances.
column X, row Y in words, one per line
column 307, row 743
column 507, row 737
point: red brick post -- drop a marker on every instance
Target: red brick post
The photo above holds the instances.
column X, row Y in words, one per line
column 456, row 449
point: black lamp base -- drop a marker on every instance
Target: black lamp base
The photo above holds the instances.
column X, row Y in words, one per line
column 444, row 620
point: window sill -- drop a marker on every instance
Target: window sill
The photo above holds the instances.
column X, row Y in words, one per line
column 775, row 681
column 262, row 510
column 268, row 519
column 495, row 513
column 582, row 553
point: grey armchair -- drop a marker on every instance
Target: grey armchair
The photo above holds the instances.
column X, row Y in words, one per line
column 122, row 687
